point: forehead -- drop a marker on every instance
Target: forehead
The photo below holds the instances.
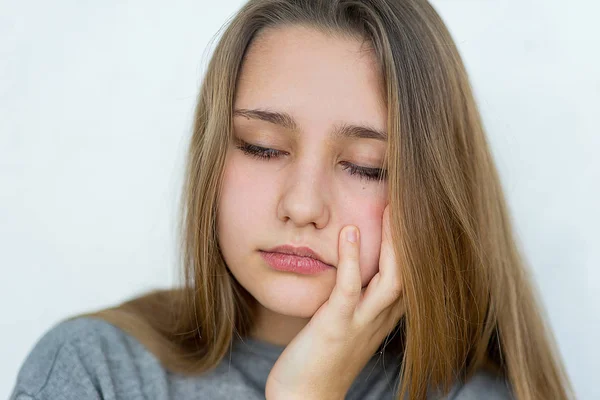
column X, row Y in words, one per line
column 320, row 80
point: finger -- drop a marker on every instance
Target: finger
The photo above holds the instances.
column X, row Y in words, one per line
column 390, row 316
column 348, row 287
column 385, row 288
column 372, row 287
column 391, row 281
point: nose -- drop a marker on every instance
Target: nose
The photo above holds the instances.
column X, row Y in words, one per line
column 305, row 195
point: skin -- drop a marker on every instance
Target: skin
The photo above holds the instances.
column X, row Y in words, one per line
column 325, row 358
column 306, row 197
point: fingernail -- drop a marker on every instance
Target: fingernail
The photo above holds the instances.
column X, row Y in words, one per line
column 351, row 235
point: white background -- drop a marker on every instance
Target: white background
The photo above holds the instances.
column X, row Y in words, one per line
column 96, row 102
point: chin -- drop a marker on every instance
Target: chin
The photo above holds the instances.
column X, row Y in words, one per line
column 294, row 299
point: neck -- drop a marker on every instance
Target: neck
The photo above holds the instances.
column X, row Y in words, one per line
column 276, row 328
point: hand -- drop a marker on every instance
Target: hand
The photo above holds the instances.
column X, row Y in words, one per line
column 325, row 358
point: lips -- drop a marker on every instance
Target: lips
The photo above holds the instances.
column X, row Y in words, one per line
column 301, row 251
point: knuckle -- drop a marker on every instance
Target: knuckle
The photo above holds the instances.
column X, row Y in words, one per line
column 352, row 255
column 396, row 291
column 350, row 290
column 346, row 312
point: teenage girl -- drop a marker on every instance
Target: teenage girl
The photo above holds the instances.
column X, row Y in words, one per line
column 344, row 232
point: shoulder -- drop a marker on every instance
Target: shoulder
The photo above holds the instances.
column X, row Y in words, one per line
column 76, row 331
column 482, row 385
column 77, row 358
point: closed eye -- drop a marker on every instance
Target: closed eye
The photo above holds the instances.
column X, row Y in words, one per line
column 263, row 153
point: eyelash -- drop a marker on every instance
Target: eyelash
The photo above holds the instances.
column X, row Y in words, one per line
column 372, row 174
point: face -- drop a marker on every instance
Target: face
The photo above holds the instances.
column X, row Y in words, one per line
column 308, row 190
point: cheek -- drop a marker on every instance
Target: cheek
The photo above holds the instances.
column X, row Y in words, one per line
column 369, row 220
column 243, row 205
column 245, row 191
column 232, row 219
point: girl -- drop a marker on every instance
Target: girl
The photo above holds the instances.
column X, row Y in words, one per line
column 344, row 232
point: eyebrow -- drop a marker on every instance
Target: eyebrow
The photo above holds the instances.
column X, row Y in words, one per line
column 287, row 121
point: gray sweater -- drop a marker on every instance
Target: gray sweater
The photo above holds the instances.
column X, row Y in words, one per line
column 88, row 358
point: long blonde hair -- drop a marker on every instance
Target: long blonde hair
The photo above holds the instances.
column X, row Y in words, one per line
column 470, row 303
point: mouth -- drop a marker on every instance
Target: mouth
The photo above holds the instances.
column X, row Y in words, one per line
column 294, row 263
column 299, row 252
